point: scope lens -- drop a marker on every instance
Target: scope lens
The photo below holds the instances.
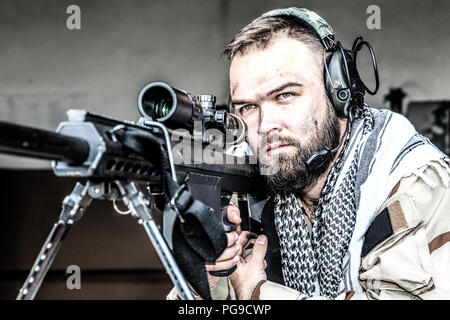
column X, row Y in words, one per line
column 157, row 102
column 161, row 107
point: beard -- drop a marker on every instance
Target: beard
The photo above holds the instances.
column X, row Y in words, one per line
column 288, row 173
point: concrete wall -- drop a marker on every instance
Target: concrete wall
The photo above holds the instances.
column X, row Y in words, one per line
column 46, row 69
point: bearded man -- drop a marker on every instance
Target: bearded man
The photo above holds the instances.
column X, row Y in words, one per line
column 359, row 203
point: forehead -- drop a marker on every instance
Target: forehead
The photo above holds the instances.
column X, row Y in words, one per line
column 283, row 59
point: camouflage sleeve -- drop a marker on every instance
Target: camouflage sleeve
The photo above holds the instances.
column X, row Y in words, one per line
column 413, row 262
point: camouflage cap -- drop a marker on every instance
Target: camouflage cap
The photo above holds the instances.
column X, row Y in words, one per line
column 316, row 22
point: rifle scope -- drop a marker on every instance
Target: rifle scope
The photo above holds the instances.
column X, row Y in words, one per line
column 179, row 109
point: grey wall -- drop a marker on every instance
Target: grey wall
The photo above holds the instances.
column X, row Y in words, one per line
column 46, row 69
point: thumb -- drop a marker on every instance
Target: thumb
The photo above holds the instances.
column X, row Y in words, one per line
column 259, row 250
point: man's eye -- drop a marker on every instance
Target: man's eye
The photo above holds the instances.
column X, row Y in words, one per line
column 284, row 96
column 247, row 108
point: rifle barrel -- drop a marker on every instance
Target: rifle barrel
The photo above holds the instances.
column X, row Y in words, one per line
column 42, row 144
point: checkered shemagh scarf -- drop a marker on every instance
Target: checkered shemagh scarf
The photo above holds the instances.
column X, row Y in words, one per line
column 318, row 259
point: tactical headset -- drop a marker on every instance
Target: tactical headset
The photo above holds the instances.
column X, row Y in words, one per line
column 343, row 84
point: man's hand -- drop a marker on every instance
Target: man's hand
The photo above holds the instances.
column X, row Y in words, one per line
column 250, row 271
column 231, row 255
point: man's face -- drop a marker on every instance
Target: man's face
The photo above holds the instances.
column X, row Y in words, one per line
column 280, row 94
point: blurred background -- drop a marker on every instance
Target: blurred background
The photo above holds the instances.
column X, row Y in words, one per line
column 47, row 69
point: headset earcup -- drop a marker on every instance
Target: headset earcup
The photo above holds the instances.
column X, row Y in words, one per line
column 336, row 85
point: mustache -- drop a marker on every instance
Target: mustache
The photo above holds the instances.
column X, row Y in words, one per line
column 280, row 140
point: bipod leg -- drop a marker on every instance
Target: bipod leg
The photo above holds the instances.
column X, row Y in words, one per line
column 73, row 207
column 137, row 203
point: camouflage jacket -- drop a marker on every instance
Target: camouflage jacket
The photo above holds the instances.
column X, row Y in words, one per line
column 411, row 262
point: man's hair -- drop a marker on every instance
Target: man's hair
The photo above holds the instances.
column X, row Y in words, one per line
column 259, row 33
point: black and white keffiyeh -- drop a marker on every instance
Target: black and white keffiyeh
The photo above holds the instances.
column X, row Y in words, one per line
column 312, row 264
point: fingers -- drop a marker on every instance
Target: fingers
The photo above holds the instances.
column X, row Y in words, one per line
column 232, row 237
column 223, row 265
column 243, row 239
column 237, row 247
column 259, row 250
column 230, row 252
column 231, row 255
column 233, row 214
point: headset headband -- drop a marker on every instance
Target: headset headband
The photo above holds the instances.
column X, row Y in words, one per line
column 311, row 19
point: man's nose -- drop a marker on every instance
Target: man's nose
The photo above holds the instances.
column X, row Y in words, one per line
column 270, row 119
